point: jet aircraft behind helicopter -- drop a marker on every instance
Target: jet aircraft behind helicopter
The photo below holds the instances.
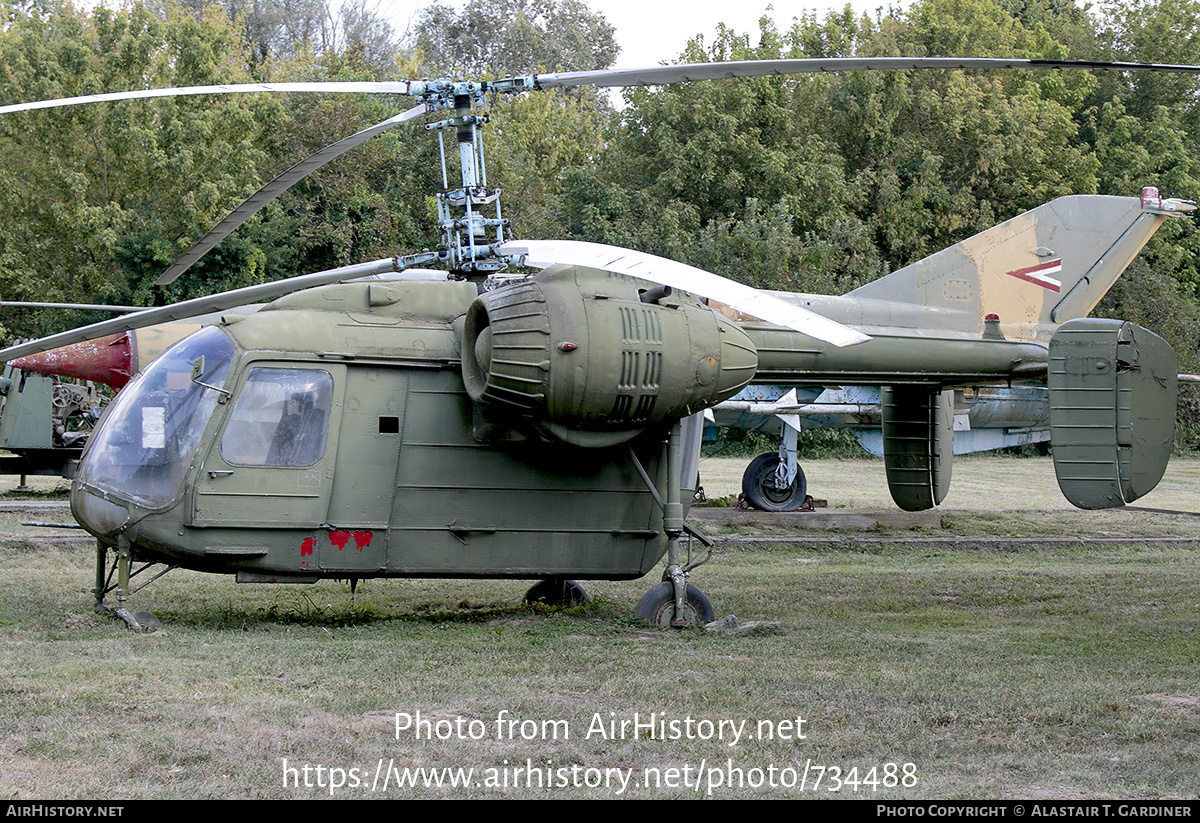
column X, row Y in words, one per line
column 1021, row 280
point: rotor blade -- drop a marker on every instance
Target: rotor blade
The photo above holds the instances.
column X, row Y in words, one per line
column 276, row 187
column 401, row 87
column 543, row 253
column 34, row 304
column 648, row 76
column 661, row 75
column 213, row 303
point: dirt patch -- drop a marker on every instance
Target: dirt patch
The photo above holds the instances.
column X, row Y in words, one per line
column 1183, row 701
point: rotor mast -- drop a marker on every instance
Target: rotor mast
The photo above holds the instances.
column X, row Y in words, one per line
column 468, row 236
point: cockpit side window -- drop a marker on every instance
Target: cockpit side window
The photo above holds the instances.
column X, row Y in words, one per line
column 281, row 419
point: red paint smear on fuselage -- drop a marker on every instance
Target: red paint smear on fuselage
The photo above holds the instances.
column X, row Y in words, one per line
column 306, row 548
column 362, row 539
column 339, row 539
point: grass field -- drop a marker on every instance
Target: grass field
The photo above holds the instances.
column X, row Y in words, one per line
column 897, row 671
column 983, row 482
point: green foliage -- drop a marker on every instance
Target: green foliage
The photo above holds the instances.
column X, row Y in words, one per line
column 535, row 145
column 835, row 180
column 814, row 444
column 1187, row 418
column 109, row 194
column 368, row 204
column 1152, row 297
column 1165, row 31
column 503, row 37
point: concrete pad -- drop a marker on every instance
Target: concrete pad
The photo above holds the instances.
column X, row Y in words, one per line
column 857, row 520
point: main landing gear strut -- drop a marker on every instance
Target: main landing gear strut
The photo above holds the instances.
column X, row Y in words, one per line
column 674, row 602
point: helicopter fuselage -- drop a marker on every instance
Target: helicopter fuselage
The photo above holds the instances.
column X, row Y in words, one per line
column 332, row 435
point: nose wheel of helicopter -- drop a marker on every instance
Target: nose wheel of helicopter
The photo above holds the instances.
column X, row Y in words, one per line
column 122, row 567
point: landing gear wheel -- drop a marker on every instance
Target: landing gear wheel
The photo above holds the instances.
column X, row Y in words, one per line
column 556, row 591
column 657, row 606
column 758, row 484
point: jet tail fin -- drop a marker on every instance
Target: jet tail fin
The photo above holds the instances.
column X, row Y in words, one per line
column 1048, row 265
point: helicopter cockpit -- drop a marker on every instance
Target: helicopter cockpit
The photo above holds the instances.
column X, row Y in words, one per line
column 157, row 421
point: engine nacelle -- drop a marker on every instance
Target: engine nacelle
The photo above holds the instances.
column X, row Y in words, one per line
column 591, row 361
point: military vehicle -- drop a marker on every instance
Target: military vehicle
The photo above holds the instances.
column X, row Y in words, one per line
column 44, row 422
column 477, row 423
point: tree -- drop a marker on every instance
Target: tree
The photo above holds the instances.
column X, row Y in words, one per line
column 107, row 194
column 502, row 37
column 372, row 202
column 1154, row 31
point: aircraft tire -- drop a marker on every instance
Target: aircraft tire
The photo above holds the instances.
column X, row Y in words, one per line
column 555, row 591
column 758, row 484
column 657, row 606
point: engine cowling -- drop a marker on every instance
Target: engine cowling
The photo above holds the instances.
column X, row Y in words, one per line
column 583, row 356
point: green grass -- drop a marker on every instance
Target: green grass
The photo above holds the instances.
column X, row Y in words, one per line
column 1006, row 672
column 1018, row 674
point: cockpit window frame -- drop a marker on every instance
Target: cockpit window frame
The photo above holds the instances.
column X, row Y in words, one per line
column 300, row 428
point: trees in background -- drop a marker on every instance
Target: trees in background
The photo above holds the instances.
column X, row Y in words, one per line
column 815, row 183
column 91, row 195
